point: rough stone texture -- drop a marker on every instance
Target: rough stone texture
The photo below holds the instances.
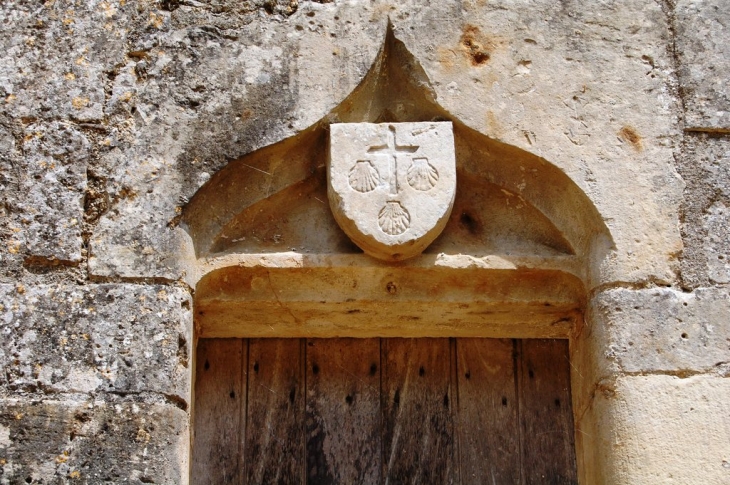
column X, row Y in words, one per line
column 499, row 73
column 53, row 60
column 705, row 166
column 703, row 47
column 717, row 250
column 170, row 91
column 664, row 330
column 45, row 190
column 658, row 429
column 53, row 185
column 134, row 236
column 114, row 113
column 58, row 441
column 52, row 85
column 206, row 84
column 120, row 339
column 10, row 241
column 392, row 185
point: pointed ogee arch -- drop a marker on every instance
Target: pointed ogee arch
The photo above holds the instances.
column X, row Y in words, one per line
column 513, row 259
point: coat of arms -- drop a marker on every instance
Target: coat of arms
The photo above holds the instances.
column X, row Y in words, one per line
column 392, row 185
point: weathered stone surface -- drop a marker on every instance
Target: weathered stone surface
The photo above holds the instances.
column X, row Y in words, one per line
column 134, row 235
column 53, row 60
column 86, row 339
column 53, row 184
column 205, row 85
column 499, row 74
column 717, row 250
column 43, row 192
column 664, row 330
column 190, row 86
column 392, row 185
column 703, row 46
column 147, row 100
column 705, row 166
column 92, row 441
column 658, row 429
column 10, row 240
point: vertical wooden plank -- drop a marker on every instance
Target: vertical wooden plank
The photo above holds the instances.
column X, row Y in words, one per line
column 546, row 413
column 454, row 387
column 219, row 395
column 418, row 431
column 343, row 411
column 274, row 451
column 487, row 412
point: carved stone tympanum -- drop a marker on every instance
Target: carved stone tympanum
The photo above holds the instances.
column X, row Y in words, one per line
column 392, row 185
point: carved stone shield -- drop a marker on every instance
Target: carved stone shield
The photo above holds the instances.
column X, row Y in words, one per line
column 392, row 185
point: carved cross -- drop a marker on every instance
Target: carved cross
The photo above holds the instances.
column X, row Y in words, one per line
column 392, row 149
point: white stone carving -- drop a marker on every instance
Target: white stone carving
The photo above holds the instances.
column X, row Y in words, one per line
column 422, row 175
column 392, row 185
column 363, row 176
column 394, row 219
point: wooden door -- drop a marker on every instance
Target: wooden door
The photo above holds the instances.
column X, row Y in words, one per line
column 390, row 411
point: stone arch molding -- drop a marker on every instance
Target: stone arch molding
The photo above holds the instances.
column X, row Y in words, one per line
column 513, row 259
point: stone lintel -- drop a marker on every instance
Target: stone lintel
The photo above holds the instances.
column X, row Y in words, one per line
column 387, row 301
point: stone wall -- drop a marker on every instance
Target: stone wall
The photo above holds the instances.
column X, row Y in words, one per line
column 114, row 113
column 661, row 408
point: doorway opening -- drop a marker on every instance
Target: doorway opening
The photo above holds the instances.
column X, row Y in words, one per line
column 517, row 258
column 383, row 410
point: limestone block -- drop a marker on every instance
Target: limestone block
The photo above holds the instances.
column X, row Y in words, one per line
column 116, row 338
column 703, row 46
column 42, row 196
column 392, row 185
column 552, row 79
column 717, row 249
column 58, row 441
column 53, row 60
column 655, row 429
column 10, row 239
column 664, row 330
column 52, row 186
column 43, row 183
column 135, row 236
column 705, row 166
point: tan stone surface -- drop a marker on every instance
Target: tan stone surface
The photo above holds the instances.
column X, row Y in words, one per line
column 663, row 330
column 117, row 338
column 92, row 441
column 703, row 47
column 588, row 89
column 135, row 236
column 367, row 301
column 544, row 78
column 648, row 430
column 705, row 166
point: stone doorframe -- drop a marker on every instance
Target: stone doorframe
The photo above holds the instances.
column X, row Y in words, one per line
column 517, row 258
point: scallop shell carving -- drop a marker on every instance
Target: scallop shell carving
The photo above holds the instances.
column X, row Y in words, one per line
column 394, row 219
column 422, row 175
column 363, row 176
